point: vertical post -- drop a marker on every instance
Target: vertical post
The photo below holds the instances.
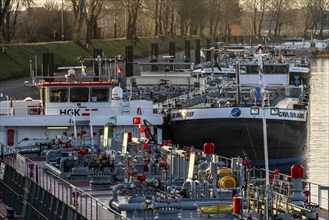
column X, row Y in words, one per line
column 184, row 166
column 75, row 131
column 268, row 207
column 197, row 51
column 99, row 58
column 129, row 61
column 86, row 205
column 31, row 71
column 91, row 208
column 91, row 133
column 37, row 174
column 2, row 151
column 172, row 49
column 319, row 195
column 8, row 105
column 187, row 52
column 36, row 65
column 171, row 165
column 67, row 195
column 63, row 188
column 172, row 53
column 62, row 20
column 267, row 175
column 309, row 197
column 154, row 56
column 208, row 52
column 115, row 26
column 238, row 82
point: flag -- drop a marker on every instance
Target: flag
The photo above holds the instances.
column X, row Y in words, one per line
column 202, row 54
column 121, row 76
column 261, row 70
column 119, row 71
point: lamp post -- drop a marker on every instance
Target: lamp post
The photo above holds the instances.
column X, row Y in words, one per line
column 62, row 20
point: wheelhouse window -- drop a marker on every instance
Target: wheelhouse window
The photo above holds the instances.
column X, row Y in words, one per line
column 269, row 69
column 78, row 94
column 99, row 95
column 58, row 95
column 281, row 69
column 250, row 69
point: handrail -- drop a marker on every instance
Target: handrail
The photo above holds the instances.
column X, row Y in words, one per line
column 315, row 189
column 49, row 181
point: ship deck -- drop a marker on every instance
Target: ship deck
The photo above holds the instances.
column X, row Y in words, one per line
column 92, row 201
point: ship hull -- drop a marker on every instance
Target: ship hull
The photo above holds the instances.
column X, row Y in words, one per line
column 234, row 135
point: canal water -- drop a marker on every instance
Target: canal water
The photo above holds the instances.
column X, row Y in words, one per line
column 317, row 152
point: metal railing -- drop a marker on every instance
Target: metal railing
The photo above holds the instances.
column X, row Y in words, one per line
column 84, row 203
column 314, row 190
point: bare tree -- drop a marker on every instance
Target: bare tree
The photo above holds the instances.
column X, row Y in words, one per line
column 280, row 9
column 320, row 15
column 262, row 6
column 132, row 8
column 79, row 15
column 214, row 16
column 198, row 20
column 113, row 18
column 251, row 6
column 8, row 26
column 231, row 15
column 93, row 10
column 9, row 11
column 167, row 17
column 257, row 8
column 183, row 9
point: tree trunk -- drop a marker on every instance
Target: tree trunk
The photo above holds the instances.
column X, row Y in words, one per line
column 172, row 23
column 90, row 33
column 254, row 21
column 115, row 27
column 156, row 15
column 270, row 27
column 5, row 4
column 79, row 8
column 160, row 30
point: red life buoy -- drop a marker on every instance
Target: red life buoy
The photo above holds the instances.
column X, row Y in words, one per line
column 10, row 137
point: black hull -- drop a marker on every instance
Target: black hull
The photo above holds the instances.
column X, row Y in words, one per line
column 232, row 137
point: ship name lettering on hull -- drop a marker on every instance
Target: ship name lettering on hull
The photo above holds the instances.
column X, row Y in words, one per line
column 291, row 114
column 75, row 112
column 181, row 115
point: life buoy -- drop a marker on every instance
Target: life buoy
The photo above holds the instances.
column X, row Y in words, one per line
column 227, row 182
column 10, row 137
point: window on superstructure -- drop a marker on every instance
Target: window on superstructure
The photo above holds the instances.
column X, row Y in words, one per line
column 79, row 94
column 269, row 69
column 253, row 69
column 58, row 94
column 99, row 95
column 281, row 69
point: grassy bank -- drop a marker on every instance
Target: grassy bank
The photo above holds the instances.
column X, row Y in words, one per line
column 15, row 58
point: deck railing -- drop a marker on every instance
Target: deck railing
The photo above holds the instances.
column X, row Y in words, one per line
column 314, row 192
column 84, row 203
